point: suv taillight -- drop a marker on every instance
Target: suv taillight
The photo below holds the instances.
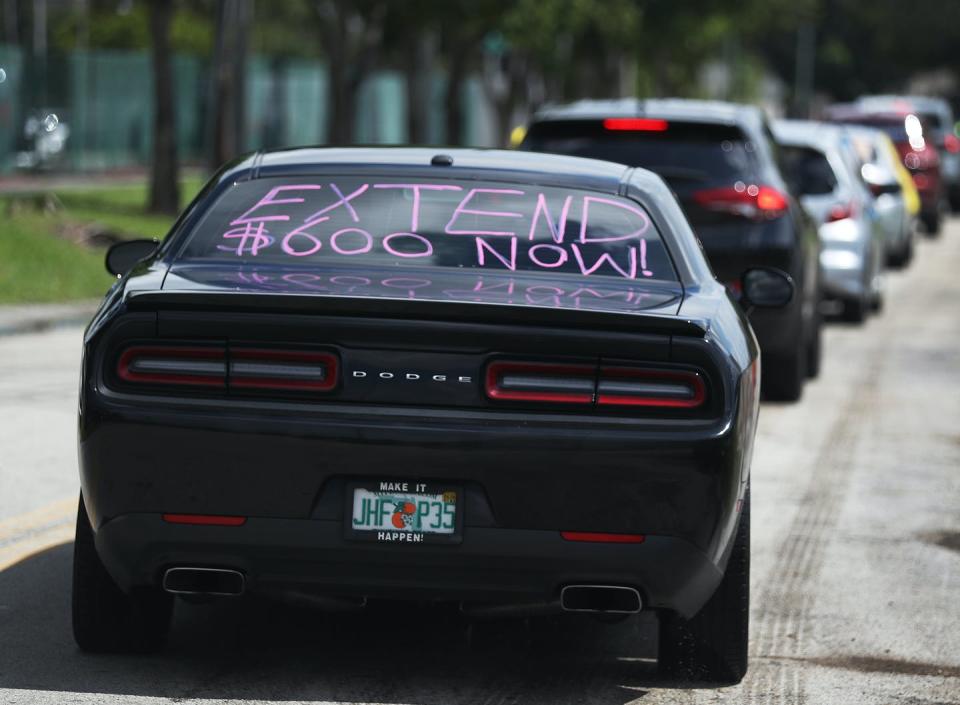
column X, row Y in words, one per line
column 747, row 201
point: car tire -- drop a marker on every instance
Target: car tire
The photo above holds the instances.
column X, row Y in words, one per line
column 901, row 257
column 855, row 310
column 713, row 645
column 784, row 375
column 106, row 619
column 931, row 222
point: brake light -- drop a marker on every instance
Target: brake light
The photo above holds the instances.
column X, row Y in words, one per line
column 636, row 386
column 252, row 368
column 606, row 385
column 236, row 368
column 636, row 124
column 951, row 143
column 597, row 537
column 748, row 201
column 536, row 381
column 841, row 211
column 190, row 366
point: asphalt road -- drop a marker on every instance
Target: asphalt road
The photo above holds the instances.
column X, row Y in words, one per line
column 856, row 582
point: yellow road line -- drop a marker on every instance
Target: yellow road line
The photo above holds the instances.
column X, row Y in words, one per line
column 34, row 531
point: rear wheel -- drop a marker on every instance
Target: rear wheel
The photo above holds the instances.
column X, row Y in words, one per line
column 712, row 646
column 106, row 619
column 784, row 375
column 931, row 222
column 855, row 310
column 901, row 257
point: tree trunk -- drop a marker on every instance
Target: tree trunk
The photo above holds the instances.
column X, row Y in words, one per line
column 164, row 188
column 228, row 96
column 419, row 70
column 453, row 101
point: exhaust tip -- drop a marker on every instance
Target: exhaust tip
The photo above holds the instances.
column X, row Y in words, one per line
column 608, row 599
column 204, row 581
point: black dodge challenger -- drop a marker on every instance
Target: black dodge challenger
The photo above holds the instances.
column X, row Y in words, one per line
column 501, row 379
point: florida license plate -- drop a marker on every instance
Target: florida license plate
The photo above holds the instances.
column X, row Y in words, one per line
column 403, row 512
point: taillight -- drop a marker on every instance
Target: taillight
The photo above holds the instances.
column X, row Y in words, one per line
column 603, row 386
column 636, row 386
column 190, row 366
column 252, row 368
column 234, row 368
column 636, row 124
column 546, row 382
column 951, row 143
column 748, row 201
column 841, row 211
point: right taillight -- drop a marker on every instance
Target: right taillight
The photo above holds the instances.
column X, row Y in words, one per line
column 637, row 386
column 540, row 381
column 755, row 202
column 603, row 386
column 842, row 211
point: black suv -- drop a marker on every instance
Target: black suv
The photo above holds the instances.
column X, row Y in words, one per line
column 721, row 161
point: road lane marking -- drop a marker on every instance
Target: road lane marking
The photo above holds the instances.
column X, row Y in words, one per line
column 29, row 533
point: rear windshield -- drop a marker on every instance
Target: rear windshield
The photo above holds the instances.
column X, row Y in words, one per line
column 382, row 222
column 677, row 151
column 808, row 170
column 894, row 127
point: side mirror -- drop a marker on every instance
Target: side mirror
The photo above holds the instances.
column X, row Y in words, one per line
column 122, row 256
column 879, row 180
column 766, row 287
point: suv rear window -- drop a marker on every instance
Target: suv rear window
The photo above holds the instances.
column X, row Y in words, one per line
column 319, row 222
column 677, row 150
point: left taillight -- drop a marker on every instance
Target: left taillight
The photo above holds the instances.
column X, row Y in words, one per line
column 235, row 368
column 252, row 368
column 181, row 366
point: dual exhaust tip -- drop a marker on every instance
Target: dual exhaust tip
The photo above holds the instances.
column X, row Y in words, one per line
column 598, row 599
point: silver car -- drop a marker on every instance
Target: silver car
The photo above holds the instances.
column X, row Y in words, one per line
column 880, row 165
column 825, row 171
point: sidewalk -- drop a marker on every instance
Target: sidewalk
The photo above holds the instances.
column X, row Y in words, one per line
column 30, row 318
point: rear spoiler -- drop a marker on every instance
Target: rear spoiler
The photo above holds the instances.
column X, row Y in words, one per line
column 460, row 311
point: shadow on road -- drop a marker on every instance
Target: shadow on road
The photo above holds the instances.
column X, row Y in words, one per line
column 257, row 649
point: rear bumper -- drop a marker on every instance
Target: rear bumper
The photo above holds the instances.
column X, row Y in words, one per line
column 491, row 565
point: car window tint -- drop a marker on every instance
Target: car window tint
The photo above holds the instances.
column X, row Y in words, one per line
column 404, row 223
column 808, row 170
column 683, row 153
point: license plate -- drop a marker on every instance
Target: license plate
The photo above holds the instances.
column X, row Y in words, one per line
column 403, row 512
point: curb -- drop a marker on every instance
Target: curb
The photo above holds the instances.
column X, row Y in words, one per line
column 35, row 318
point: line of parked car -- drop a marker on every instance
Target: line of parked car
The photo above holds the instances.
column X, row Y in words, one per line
column 832, row 203
column 505, row 380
